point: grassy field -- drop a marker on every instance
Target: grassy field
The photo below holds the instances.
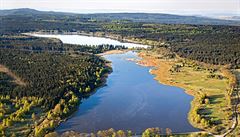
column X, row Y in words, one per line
column 211, row 106
column 236, row 132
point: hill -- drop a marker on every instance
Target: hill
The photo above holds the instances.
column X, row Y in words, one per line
column 134, row 17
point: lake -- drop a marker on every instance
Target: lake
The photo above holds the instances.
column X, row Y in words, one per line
column 89, row 40
column 131, row 99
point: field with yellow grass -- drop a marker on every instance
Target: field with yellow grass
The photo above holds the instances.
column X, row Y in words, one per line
column 210, row 86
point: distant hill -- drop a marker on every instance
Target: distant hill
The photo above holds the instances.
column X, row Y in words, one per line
column 27, row 11
column 230, row 18
column 164, row 18
column 19, row 12
column 135, row 17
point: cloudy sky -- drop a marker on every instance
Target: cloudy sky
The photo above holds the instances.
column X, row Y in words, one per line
column 200, row 7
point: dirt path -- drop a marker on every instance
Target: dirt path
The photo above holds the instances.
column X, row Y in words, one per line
column 235, row 120
column 235, row 110
column 17, row 79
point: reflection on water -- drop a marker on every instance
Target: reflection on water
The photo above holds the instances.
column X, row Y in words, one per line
column 132, row 100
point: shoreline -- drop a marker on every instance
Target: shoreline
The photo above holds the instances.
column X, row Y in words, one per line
column 71, row 132
column 82, row 97
column 164, row 77
column 99, row 35
column 161, row 71
column 163, row 67
column 112, row 52
column 101, row 85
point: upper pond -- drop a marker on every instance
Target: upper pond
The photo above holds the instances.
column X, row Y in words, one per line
column 89, row 40
column 131, row 99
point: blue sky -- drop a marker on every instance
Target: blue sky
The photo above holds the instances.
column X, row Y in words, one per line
column 190, row 7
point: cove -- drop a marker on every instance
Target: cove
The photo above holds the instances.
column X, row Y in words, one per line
column 131, row 100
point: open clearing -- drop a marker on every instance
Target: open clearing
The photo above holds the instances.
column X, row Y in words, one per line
column 17, row 79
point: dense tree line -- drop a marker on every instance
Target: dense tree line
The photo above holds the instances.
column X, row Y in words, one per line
column 209, row 44
column 215, row 44
column 36, row 44
column 21, row 23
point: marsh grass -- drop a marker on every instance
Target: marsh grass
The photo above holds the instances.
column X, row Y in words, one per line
column 215, row 115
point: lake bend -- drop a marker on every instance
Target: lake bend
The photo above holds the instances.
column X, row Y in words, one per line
column 131, row 100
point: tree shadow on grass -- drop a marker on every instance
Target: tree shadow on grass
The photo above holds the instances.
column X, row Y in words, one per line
column 205, row 111
column 216, row 121
column 213, row 98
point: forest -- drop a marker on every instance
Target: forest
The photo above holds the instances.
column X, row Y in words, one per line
column 52, row 80
column 209, row 44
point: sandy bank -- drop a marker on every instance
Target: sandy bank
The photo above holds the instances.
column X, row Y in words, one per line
column 112, row 52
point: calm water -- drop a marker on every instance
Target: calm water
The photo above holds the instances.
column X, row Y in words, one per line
column 131, row 100
column 88, row 40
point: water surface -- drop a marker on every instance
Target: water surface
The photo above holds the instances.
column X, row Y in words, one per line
column 131, row 99
column 89, row 40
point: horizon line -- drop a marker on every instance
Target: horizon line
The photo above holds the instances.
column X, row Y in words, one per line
column 97, row 11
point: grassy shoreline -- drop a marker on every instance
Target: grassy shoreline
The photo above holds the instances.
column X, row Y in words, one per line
column 211, row 107
column 207, row 114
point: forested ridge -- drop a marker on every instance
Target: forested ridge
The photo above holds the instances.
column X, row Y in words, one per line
column 49, row 77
